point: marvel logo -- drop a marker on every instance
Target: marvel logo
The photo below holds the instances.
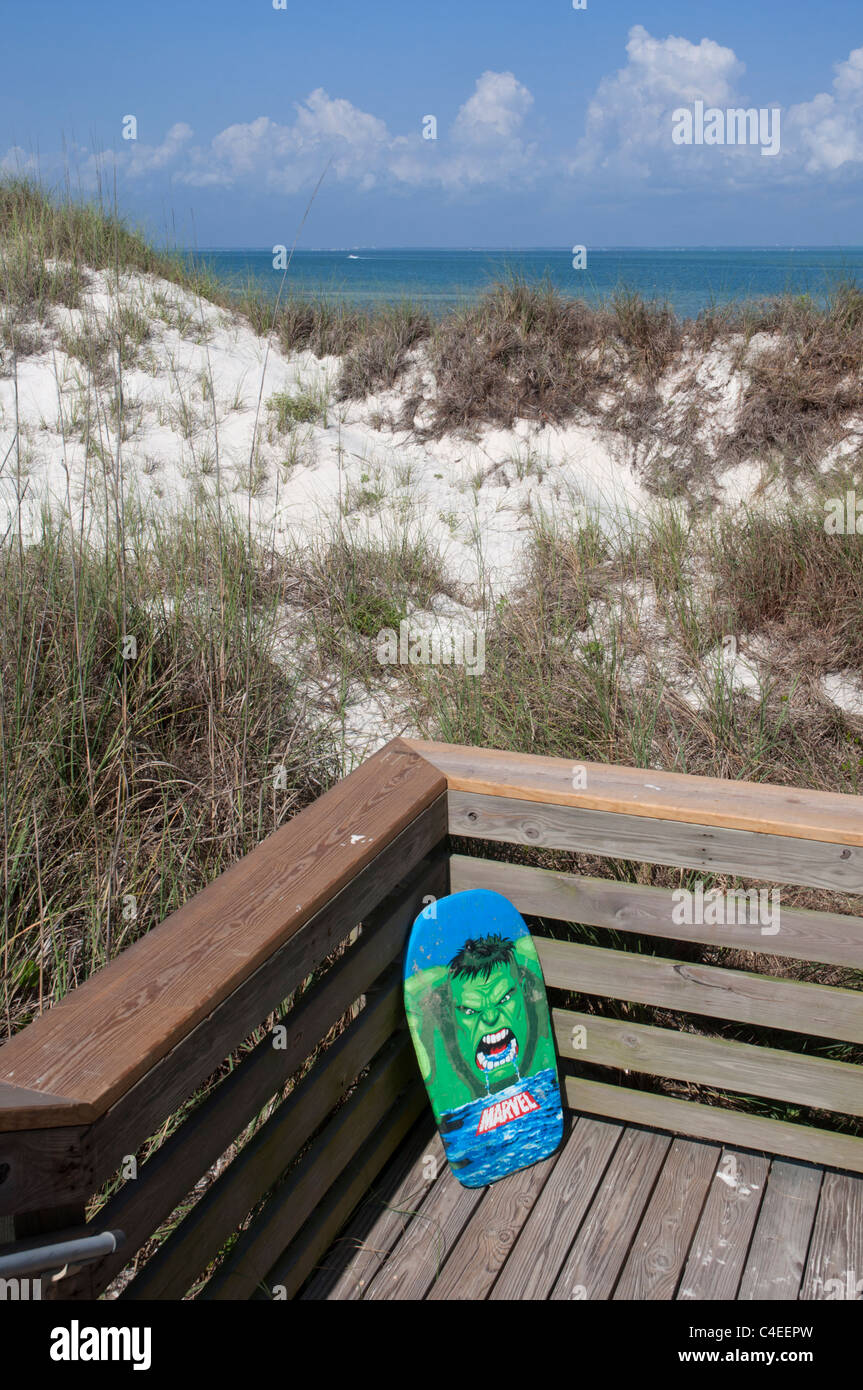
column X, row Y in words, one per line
column 503, row 1111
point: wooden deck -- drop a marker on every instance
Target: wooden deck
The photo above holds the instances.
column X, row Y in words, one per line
column 620, row 1212
column 653, row 1196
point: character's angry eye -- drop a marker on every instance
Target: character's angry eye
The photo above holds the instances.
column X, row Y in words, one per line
column 463, row 1009
column 506, row 998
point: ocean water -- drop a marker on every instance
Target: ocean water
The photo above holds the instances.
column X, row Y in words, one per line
column 689, row 279
column 481, row 1158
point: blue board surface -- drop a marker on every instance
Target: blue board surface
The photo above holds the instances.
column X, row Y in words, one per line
column 478, row 1015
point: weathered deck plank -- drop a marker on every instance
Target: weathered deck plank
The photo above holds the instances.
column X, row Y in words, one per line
column 488, row 1237
column 301, row 1256
column 540, row 1250
column 381, row 1221
column 421, row 1253
column 599, row 1252
column 777, row 1256
column 834, row 1269
column 719, row 1248
column 655, row 1262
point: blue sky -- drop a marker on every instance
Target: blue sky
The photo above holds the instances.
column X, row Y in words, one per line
column 553, row 125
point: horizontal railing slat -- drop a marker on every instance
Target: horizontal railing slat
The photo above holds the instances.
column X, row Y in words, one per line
column 746, row 1068
column 822, row 1011
column 92, row 1047
column 828, row 937
column 775, row 858
column 726, row 1126
column 668, row 796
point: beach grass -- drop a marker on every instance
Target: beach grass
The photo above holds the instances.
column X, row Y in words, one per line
column 144, row 723
column 590, row 655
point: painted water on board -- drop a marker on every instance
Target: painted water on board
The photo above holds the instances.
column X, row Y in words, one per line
column 499, row 1133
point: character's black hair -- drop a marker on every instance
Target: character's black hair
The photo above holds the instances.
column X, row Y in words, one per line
column 479, row 957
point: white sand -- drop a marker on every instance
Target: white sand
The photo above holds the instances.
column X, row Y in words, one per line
column 189, row 408
column 473, row 500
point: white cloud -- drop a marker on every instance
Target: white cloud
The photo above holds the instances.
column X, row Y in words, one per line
column 323, row 118
column 284, row 158
column 483, row 146
column 143, row 159
column 828, row 130
column 18, row 161
column 627, row 138
column 628, row 125
column 495, row 111
column 486, row 145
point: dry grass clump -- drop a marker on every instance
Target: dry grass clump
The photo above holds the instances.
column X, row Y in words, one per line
column 564, row 574
column 785, row 574
column 578, row 667
column 381, row 352
column 107, row 346
column 802, row 390
column 525, row 351
column 296, row 408
column 352, row 590
column 650, row 330
column 326, row 327
column 143, row 714
column 16, row 341
column 521, row 352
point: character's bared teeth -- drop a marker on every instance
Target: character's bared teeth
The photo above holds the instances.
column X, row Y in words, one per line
column 500, row 1059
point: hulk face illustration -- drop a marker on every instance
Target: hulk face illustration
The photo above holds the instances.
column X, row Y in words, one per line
column 490, row 1014
column 481, row 1021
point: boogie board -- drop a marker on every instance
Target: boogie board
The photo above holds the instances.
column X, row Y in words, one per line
column 478, row 1015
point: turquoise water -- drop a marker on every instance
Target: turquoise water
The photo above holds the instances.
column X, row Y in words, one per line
column 689, row 278
column 482, row 1157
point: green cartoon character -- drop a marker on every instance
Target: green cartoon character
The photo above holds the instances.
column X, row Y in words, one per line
column 479, row 1023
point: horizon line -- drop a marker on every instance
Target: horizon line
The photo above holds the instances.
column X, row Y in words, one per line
column 566, row 250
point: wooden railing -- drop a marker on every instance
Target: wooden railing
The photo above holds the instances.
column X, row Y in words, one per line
column 758, row 832
column 84, row 1087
